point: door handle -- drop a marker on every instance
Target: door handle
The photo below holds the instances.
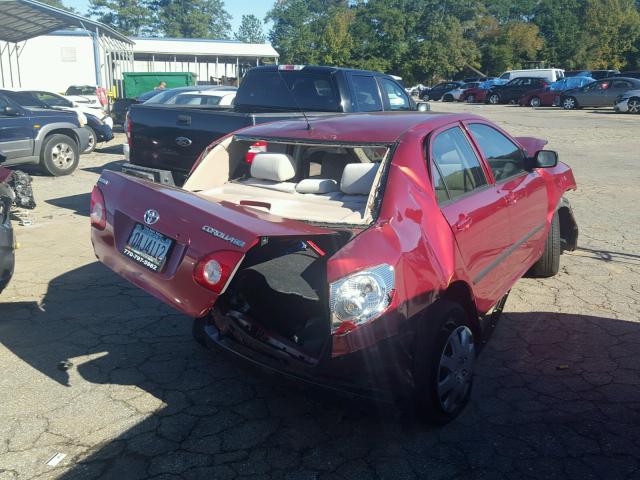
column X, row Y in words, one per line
column 463, row 223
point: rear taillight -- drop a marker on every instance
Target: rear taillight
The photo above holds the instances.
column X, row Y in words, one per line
column 98, row 212
column 127, row 128
column 214, row 271
column 258, row 147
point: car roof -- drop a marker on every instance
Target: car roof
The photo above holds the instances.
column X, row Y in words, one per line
column 209, row 91
column 375, row 128
column 319, row 69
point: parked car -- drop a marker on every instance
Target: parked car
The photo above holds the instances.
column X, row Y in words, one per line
column 165, row 140
column 437, row 91
column 601, row 93
column 223, row 98
column 340, row 254
column 550, row 95
column 628, row 102
column 40, row 135
column 89, row 95
column 99, row 132
column 456, row 93
column 7, row 239
column 479, row 93
column 514, row 89
column 477, row 79
column 58, row 101
column 121, row 106
column 549, row 74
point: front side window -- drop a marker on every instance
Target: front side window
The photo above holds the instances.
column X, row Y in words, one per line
column 503, row 156
column 396, row 96
column 366, row 93
column 457, row 169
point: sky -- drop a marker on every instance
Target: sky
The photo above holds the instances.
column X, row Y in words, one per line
column 236, row 8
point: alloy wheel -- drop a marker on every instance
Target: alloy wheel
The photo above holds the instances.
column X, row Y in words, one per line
column 471, row 99
column 634, row 105
column 62, row 156
column 569, row 103
column 455, row 369
column 494, row 99
column 534, row 102
column 92, row 143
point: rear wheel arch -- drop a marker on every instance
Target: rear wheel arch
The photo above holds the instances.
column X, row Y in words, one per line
column 64, row 131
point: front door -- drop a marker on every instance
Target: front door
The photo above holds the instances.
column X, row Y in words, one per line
column 476, row 211
column 525, row 192
column 16, row 134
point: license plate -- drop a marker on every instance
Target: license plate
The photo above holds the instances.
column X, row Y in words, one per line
column 147, row 247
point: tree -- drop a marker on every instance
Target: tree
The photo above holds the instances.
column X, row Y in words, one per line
column 508, row 46
column 250, row 30
column 131, row 17
column 193, row 19
column 59, row 4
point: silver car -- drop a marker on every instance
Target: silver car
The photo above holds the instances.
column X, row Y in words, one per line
column 598, row 94
column 628, row 102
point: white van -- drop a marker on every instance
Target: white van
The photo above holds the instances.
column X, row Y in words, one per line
column 550, row 74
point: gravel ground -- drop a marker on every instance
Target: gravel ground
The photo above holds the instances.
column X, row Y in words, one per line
column 557, row 391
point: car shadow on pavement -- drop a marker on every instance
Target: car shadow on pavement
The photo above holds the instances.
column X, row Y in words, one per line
column 80, row 203
column 111, row 149
column 556, row 396
column 114, row 166
column 609, row 256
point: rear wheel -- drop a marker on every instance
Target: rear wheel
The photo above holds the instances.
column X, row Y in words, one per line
column 494, row 99
column 471, row 99
column 59, row 155
column 634, row 105
column 197, row 330
column 570, row 103
column 447, row 98
column 93, row 139
column 443, row 363
column 549, row 262
column 534, row 102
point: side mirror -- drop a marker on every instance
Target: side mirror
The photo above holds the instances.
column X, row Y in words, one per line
column 11, row 111
column 546, row 159
column 423, row 107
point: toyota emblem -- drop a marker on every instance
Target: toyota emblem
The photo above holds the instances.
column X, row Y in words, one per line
column 151, row 216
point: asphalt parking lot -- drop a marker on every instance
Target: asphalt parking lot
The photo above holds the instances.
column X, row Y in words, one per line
column 95, row 369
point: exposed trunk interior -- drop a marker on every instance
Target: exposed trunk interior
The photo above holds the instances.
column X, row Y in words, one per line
column 279, row 291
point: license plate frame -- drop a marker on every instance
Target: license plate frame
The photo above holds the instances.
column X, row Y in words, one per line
column 148, row 247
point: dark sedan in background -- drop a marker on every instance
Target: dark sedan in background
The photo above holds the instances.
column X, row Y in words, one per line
column 438, row 91
column 512, row 91
column 602, row 93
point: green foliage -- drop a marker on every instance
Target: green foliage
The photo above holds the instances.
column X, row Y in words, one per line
column 126, row 16
column 250, row 30
column 193, row 19
column 58, row 4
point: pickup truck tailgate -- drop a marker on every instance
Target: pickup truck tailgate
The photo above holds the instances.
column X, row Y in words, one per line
column 184, row 227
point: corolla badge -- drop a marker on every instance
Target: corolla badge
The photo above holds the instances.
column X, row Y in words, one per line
column 183, row 141
column 151, row 216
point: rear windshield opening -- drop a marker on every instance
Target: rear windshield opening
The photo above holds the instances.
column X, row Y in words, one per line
column 288, row 91
column 321, row 183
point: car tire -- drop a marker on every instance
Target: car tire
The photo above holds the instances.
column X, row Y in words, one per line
column 471, row 99
column 535, row 102
column 570, row 103
column 633, row 105
column 549, row 263
column 447, row 98
column 443, row 363
column 493, row 99
column 93, row 140
column 197, row 330
column 59, row 155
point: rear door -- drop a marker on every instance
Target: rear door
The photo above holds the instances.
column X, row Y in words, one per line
column 525, row 193
column 156, row 235
column 476, row 211
column 16, row 133
column 617, row 87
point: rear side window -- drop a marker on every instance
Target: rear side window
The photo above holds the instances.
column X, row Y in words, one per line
column 288, row 90
column 503, row 156
column 458, row 170
column 366, row 93
column 622, row 84
column 396, row 96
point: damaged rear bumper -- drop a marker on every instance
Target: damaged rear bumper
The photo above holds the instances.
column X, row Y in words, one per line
column 378, row 373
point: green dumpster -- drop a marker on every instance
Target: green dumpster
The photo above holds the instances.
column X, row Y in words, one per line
column 136, row 83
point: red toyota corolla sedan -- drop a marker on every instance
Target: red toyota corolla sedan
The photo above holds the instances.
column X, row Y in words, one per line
column 358, row 252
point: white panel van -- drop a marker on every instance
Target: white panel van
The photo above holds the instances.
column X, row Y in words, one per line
column 550, row 74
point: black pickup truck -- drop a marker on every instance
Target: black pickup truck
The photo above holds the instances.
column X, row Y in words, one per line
column 166, row 140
